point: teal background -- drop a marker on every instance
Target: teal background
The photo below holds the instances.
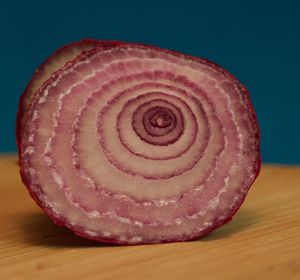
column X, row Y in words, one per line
column 256, row 41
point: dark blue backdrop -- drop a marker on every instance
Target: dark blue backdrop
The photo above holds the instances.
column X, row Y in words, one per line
column 257, row 41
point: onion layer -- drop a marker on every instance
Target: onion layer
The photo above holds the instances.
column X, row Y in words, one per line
column 145, row 145
column 52, row 64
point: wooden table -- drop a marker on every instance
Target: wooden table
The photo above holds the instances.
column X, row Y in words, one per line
column 261, row 242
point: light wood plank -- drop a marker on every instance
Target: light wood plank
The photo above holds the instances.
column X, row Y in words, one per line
column 261, row 242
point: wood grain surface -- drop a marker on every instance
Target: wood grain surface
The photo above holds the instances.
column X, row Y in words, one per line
column 261, row 242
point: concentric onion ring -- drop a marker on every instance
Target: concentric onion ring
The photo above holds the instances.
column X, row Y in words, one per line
column 144, row 145
column 159, row 118
column 53, row 63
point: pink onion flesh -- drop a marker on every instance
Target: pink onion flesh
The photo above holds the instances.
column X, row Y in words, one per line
column 52, row 64
column 134, row 144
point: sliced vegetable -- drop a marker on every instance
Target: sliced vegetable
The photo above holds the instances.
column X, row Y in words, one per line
column 134, row 144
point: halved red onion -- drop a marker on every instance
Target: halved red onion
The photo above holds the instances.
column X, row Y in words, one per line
column 133, row 144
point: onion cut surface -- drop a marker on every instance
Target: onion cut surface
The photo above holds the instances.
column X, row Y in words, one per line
column 134, row 144
column 53, row 63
